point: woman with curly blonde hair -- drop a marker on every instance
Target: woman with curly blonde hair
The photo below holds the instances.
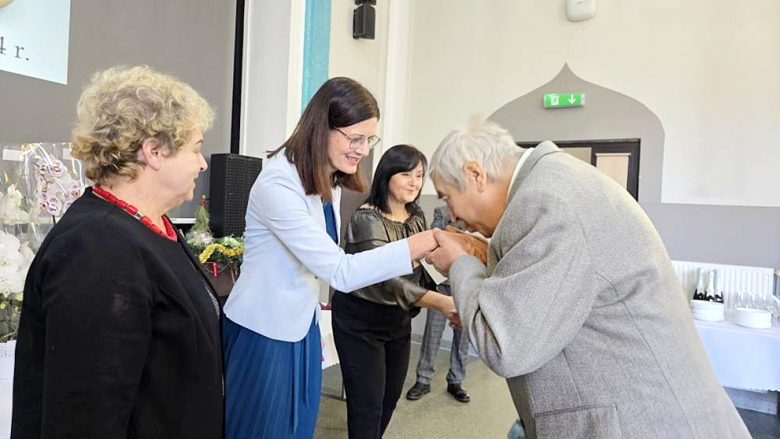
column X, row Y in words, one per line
column 119, row 333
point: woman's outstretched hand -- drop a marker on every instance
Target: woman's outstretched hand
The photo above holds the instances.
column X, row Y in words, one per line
column 449, row 250
column 421, row 244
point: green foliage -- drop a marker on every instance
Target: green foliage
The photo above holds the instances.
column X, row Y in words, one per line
column 10, row 308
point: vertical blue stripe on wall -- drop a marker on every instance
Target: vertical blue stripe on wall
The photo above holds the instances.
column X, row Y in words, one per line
column 316, row 47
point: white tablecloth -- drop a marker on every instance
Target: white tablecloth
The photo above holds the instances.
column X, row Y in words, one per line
column 742, row 358
column 6, row 394
column 329, row 355
column 7, row 351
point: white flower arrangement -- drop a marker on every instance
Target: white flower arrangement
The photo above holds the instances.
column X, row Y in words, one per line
column 56, row 189
column 11, row 211
column 15, row 260
column 42, row 190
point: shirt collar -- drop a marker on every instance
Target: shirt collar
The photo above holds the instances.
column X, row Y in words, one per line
column 520, row 162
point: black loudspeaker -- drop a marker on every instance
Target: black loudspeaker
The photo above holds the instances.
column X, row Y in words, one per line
column 232, row 177
column 363, row 20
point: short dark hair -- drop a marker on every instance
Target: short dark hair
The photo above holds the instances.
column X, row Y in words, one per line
column 340, row 102
column 400, row 158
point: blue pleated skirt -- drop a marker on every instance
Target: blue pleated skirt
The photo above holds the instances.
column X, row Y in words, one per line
column 272, row 387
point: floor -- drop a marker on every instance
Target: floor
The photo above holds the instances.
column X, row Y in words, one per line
column 490, row 413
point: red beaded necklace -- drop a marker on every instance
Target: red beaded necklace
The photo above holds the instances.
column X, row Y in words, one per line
column 132, row 210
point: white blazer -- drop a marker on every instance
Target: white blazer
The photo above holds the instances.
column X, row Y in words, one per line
column 288, row 251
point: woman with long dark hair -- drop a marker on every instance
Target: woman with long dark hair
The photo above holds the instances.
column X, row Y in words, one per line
column 273, row 357
column 372, row 326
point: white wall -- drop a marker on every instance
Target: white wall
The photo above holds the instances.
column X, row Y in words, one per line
column 273, row 64
column 271, row 89
column 362, row 60
column 379, row 64
column 708, row 69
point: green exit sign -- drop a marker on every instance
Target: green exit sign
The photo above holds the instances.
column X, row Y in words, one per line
column 564, row 100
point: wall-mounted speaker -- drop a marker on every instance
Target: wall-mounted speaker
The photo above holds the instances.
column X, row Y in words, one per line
column 363, row 21
column 232, row 177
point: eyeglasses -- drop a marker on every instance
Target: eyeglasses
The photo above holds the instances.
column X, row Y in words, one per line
column 356, row 142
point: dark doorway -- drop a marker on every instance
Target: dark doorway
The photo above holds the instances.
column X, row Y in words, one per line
column 617, row 158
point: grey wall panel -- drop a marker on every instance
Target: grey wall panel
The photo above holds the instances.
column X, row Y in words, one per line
column 719, row 234
column 190, row 39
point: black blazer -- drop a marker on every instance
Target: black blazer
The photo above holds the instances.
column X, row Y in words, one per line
column 119, row 335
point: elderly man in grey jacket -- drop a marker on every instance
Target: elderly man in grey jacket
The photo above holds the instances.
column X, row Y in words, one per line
column 578, row 307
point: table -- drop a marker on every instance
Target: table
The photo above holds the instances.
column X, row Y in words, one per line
column 742, row 358
column 329, row 355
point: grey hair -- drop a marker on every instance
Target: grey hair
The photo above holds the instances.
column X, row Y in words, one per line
column 482, row 141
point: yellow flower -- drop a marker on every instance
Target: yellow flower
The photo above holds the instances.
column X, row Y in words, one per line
column 211, row 248
column 206, row 254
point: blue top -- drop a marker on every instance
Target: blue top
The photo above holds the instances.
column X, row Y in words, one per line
column 289, row 254
column 330, row 221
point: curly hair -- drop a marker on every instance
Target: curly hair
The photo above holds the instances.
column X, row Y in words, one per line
column 123, row 107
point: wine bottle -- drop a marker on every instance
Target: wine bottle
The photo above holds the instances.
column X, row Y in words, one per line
column 709, row 291
column 718, row 287
column 698, row 293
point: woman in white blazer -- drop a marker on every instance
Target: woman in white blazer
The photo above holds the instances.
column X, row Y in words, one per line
column 270, row 334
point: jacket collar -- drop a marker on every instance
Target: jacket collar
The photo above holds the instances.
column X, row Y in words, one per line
column 314, row 201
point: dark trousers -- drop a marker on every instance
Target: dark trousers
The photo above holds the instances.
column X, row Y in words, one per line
column 373, row 342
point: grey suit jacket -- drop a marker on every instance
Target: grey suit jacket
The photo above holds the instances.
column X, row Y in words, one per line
column 580, row 309
column 441, row 217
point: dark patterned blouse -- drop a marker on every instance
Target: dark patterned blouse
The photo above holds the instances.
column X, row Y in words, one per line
column 370, row 229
